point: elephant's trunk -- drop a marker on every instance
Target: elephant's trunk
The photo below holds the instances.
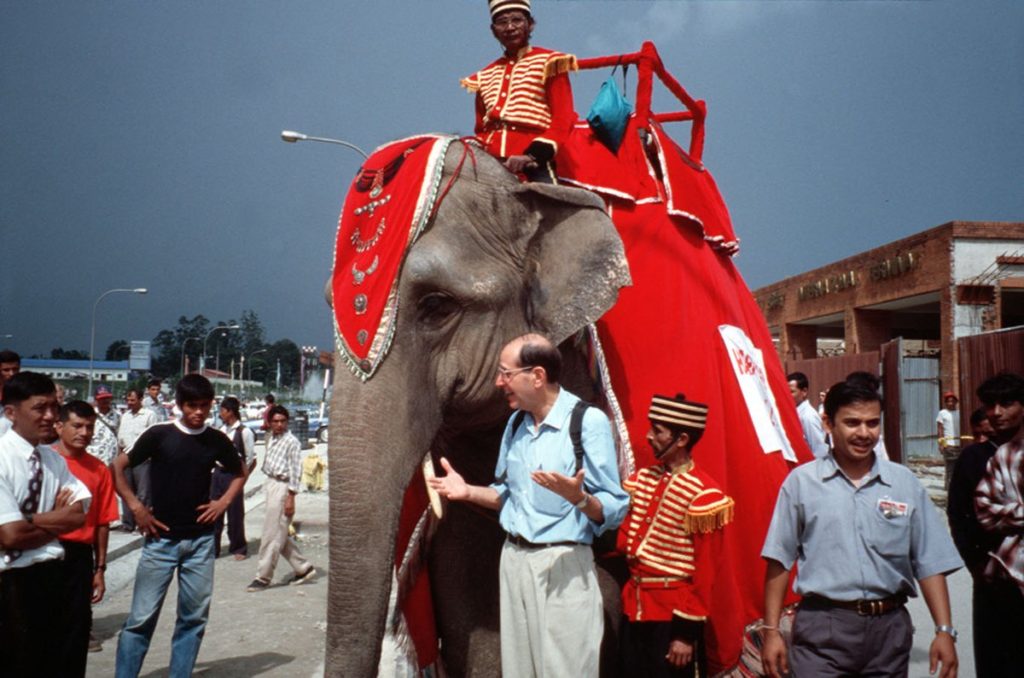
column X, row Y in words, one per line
column 378, row 435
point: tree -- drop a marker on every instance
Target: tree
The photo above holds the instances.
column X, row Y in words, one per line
column 168, row 345
column 118, row 350
column 286, row 353
column 68, row 354
column 228, row 346
column 252, row 332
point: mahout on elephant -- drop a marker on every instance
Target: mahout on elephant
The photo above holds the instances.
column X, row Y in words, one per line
column 442, row 257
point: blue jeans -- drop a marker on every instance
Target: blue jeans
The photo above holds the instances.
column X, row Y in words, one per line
column 193, row 560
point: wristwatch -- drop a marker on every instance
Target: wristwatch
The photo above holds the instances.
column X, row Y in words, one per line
column 582, row 503
column 946, row 628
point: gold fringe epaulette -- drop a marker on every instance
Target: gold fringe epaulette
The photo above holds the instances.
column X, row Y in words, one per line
column 560, row 63
column 470, row 84
column 709, row 518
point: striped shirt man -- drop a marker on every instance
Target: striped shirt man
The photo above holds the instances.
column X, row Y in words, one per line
column 283, row 460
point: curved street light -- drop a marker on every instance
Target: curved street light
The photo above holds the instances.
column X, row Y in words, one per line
column 249, row 360
column 92, row 341
column 241, row 372
column 291, row 137
column 202, row 358
column 183, row 345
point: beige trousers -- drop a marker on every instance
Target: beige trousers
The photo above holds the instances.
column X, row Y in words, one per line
column 275, row 540
column 551, row 612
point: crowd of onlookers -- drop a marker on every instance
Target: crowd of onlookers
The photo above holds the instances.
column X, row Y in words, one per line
column 62, row 465
column 853, row 533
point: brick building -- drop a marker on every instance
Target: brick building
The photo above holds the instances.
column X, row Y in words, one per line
column 927, row 290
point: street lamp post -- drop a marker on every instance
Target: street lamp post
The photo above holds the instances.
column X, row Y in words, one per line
column 202, row 358
column 183, row 345
column 249, row 360
column 92, row 341
column 292, row 137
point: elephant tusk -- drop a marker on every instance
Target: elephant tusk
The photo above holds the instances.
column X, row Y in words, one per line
column 432, row 495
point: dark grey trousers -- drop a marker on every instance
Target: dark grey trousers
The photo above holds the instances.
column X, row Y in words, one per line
column 828, row 641
column 138, row 480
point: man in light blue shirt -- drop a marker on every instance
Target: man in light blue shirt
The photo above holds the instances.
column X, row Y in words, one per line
column 810, row 420
column 551, row 618
column 861, row 530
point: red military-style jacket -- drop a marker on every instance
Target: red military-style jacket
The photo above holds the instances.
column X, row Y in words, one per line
column 524, row 103
column 667, row 538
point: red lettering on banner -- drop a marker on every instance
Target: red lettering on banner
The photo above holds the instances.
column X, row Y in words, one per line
column 746, row 364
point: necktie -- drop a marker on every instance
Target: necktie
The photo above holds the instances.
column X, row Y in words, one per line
column 35, row 488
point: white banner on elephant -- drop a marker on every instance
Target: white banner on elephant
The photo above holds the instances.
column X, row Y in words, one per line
column 748, row 366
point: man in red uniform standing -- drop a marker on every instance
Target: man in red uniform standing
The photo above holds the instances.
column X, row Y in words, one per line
column 676, row 511
column 524, row 108
column 85, row 549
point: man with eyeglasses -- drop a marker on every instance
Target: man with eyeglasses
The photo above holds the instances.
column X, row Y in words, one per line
column 524, row 105
column 551, row 610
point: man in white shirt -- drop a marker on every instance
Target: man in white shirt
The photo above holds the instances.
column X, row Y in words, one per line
column 810, row 420
column 153, row 400
column 133, row 422
column 282, row 464
column 39, row 499
column 948, row 422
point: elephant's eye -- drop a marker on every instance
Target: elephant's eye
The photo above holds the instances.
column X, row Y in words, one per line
column 436, row 308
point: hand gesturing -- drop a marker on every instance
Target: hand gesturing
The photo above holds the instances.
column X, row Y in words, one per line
column 451, row 485
column 570, row 489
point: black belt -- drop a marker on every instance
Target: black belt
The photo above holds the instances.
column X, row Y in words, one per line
column 523, row 543
column 865, row 608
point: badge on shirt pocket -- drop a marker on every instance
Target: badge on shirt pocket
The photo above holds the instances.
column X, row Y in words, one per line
column 892, row 509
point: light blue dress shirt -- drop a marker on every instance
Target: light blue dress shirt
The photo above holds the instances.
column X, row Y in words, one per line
column 814, row 430
column 858, row 543
column 538, row 514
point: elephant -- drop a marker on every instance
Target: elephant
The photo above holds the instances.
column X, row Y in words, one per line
column 498, row 259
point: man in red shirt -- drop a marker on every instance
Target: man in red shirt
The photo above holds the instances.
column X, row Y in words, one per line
column 524, row 105
column 85, row 549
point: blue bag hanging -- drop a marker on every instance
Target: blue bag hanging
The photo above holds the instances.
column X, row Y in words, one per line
column 610, row 112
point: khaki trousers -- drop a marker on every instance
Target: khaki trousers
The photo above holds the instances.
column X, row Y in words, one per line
column 275, row 540
column 551, row 612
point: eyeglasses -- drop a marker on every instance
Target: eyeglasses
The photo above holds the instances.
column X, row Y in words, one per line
column 506, row 375
column 508, row 22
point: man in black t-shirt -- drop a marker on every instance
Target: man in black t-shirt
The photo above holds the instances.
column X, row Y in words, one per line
column 178, row 526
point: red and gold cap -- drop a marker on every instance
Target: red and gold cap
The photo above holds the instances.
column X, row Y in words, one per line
column 499, row 6
column 678, row 411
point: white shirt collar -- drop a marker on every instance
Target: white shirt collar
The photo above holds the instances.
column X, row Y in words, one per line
column 19, row 444
column 186, row 429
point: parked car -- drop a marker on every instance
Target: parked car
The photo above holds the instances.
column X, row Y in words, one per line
column 318, row 428
column 317, row 425
column 256, row 426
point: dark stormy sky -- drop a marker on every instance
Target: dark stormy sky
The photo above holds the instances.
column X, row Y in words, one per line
column 141, row 139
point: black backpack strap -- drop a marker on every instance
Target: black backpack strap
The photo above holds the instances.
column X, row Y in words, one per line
column 575, row 429
column 576, row 432
column 239, row 442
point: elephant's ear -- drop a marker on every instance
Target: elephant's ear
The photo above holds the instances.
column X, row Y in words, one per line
column 575, row 262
